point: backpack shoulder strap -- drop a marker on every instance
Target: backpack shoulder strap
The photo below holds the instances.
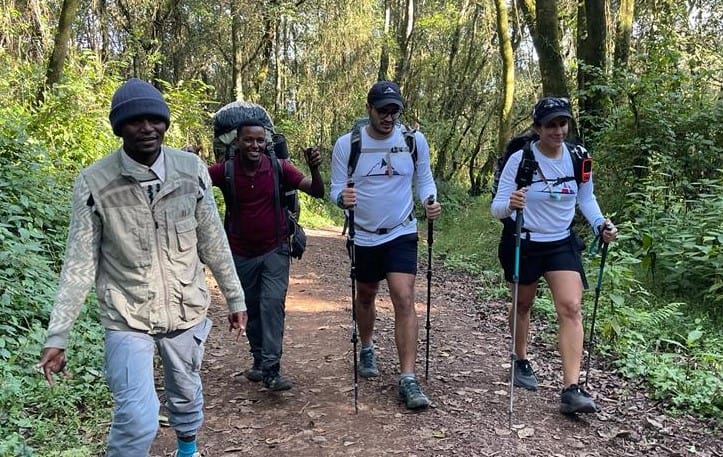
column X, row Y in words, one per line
column 229, row 191
column 228, row 174
column 527, row 153
column 411, row 140
column 355, row 150
column 579, row 155
column 278, row 175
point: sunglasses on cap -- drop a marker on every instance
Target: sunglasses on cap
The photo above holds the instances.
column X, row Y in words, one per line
column 549, row 103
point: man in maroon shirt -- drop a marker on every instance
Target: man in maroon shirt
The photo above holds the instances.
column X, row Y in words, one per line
column 258, row 235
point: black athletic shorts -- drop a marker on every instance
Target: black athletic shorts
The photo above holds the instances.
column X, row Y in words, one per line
column 539, row 257
column 396, row 256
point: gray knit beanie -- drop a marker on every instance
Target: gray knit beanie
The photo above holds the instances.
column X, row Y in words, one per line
column 136, row 98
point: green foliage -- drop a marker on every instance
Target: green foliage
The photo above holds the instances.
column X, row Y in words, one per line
column 467, row 236
column 679, row 355
column 189, row 102
column 659, row 168
column 72, row 123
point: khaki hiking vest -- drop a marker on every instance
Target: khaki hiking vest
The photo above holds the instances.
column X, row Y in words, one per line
column 149, row 275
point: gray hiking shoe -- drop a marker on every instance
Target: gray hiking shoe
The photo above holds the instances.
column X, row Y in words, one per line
column 254, row 374
column 575, row 400
column 368, row 363
column 411, row 394
column 277, row 382
column 524, row 376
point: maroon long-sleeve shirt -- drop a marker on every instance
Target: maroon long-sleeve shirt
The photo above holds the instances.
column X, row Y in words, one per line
column 253, row 230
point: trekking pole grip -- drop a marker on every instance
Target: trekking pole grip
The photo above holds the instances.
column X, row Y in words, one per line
column 430, row 223
column 350, row 185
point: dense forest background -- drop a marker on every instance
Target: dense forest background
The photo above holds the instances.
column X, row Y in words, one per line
column 645, row 77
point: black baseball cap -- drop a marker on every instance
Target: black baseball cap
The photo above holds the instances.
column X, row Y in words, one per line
column 385, row 93
column 549, row 108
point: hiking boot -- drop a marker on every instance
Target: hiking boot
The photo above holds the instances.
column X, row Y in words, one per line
column 254, row 374
column 411, row 394
column 277, row 382
column 368, row 363
column 524, row 376
column 575, row 400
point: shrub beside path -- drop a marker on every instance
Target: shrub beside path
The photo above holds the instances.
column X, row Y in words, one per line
column 467, row 384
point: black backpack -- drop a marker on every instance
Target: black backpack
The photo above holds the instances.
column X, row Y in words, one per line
column 225, row 122
column 356, row 148
column 581, row 160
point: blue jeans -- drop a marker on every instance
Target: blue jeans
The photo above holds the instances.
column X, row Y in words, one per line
column 129, row 373
column 265, row 280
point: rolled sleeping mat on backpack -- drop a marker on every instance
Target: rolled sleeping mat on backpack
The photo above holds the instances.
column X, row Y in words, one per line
column 228, row 118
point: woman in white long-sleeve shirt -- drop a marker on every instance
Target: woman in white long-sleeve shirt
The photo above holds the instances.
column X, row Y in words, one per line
column 549, row 248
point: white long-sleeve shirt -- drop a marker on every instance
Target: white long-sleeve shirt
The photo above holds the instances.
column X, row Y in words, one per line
column 551, row 198
column 383, row 181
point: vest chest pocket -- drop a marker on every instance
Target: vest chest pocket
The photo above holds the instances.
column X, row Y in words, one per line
column 129, row 236
column 186, row 233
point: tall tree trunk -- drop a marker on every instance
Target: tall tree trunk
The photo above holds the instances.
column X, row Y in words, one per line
column 404, row 41
column 592, row 52
column 624, row 32
column 103, row 19
column 236, row 51
column 508, row 74
column 267, row 56
column 384, row 57
column 547, row 44
column 278, row 63
column 60, row 48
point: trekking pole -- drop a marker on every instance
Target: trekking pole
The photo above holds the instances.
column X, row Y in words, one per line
column 515, row 294
column 430, row 241
column 352, row 275
column 603, row 246
column 523, row 179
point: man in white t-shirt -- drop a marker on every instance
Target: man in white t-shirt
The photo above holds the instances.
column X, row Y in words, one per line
column 385, row 240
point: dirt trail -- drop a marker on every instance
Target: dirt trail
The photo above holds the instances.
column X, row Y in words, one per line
column 467, row 385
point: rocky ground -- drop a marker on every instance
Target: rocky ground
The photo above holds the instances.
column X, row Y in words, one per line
column 468, row 374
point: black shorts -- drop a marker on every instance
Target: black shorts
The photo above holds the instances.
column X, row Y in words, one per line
column 396, row 256
column 539, row 257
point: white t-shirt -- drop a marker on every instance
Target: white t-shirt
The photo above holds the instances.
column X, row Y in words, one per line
column 551, row 198
column 383, row 180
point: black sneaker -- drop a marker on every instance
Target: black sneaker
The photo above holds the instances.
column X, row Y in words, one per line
column 368, row 363
column 524, row 376
column 575, row 400
column 411, row 394
column 254, row 374
column 277, row 382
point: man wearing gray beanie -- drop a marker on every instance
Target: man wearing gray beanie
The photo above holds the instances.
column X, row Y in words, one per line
column 143, row 224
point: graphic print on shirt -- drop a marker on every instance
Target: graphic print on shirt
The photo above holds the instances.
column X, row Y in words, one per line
column 383, row 167
column 555, row 188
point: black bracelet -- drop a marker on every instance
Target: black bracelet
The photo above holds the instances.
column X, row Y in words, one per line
column 340, row 201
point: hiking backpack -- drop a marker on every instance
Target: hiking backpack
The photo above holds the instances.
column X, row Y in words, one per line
column 356, row 149
column 356, row 146
column 581, row 160
column 225, row 123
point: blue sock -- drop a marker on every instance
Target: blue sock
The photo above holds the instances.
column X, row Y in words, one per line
column 186, row 448
column 406, row 375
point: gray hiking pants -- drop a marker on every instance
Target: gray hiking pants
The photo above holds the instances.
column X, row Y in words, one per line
column 129, row 373
column 265, row 280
